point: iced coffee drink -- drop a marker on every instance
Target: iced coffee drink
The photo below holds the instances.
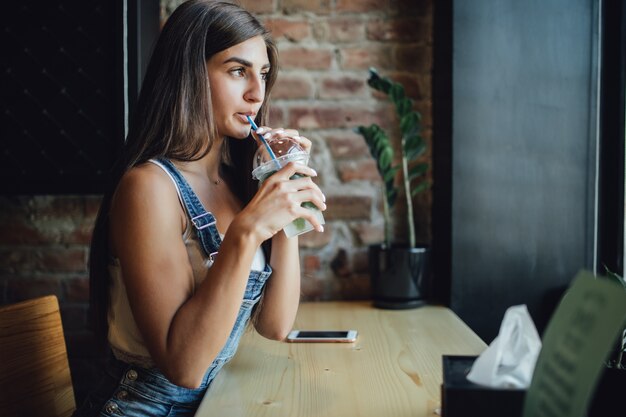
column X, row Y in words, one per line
column 264, row 165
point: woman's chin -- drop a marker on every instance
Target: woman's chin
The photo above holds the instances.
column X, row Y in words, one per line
column 240, row 133
column 236, row 133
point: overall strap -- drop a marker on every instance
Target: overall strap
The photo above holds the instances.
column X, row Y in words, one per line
column 202, row 220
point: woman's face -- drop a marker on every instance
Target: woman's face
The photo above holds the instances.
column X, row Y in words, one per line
column 237, row 78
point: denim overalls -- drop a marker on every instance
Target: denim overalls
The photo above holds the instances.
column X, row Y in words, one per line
column 130, row 390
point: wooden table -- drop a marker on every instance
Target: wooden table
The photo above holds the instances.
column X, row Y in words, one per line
column 393, row 369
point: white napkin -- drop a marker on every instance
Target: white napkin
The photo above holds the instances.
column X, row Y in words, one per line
column 509, row 361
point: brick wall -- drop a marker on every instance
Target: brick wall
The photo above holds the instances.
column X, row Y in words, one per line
column 325, row 49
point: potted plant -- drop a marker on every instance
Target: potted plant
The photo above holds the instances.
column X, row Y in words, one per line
column 398, row 270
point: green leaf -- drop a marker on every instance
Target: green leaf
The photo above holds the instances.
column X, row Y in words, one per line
column 386, row 157
column 392, row 196
column 412, row 142
column 417, row 171
column 409, row 124
column 396, row 92
column 403, row 107
column 419, row 188
column 379, row 84
column 415, row 149
column 390, row 174
column 413, row 145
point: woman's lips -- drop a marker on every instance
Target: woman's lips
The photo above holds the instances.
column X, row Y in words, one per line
column 243, row 117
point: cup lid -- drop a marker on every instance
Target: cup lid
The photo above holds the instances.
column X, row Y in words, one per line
column 260, row 172
column 285, row 149
column 281, row 148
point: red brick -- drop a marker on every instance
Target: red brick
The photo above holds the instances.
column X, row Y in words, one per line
column 258, row 6
column 363, row 170
column 292, row 30
column 361, row 5
column 348, row 207
column 311, row 263
column 416, row 86
column 333, row 116
column 16, row 259
column 92, row 205
column 413, row 30
column 19, row 289
column 340, row 264
column 292, row 86
column 355, row 287
column 315, row 239
column 307, row 58
column 370, row 233
column 342, row 86
column 424, row 107
column 344, row 145
column 63, row 259
column 423, row 8
column 76, row 289
column 81, row 234
column 360, row 261
column 48, row 259
column 416, row 58
column 340, row 30
column 312, row 288
column 47, row 207
column 295, row 6
column 16, row 230
column 364, row 57
column 276, row 116
column 46, row 220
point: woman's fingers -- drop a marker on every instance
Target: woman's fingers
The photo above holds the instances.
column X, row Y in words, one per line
column 314, row 196
column 280, row 132
column 301, row 189
column 298, row 206
column 304, row 143
column 294, row 168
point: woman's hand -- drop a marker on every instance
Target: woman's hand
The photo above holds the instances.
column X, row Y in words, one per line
column 279, row 201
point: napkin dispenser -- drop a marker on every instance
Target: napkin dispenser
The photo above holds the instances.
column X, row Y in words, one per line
column 463, row 398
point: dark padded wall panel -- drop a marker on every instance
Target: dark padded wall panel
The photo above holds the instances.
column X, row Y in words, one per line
column 60, row 118
column 524, row 85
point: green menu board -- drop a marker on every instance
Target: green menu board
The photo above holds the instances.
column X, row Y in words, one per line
column 576, row 342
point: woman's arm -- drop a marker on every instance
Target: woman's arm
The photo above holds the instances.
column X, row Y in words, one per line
column 183, row 335
column 282, row 291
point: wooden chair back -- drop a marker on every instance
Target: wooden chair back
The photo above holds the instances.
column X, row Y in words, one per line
column 35, row 376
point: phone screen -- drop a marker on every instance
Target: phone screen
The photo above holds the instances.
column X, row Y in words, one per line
column 322, row 334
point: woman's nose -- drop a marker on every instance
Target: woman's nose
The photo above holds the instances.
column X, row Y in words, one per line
column 256, row 90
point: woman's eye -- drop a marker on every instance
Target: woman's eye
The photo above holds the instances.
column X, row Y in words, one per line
column 239, row 72
column 265, row 76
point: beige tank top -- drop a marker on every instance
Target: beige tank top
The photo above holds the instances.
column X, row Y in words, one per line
column 124, row 336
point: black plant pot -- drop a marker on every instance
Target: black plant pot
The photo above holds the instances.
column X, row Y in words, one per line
column 399, row 276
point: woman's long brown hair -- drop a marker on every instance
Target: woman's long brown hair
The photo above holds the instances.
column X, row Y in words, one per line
column 174, row 119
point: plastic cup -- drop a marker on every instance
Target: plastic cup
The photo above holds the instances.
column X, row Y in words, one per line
column 286, row 150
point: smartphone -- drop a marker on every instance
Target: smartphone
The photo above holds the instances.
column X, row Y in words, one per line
column 322, row 336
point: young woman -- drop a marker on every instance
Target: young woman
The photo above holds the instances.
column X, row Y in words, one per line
column 186, row 247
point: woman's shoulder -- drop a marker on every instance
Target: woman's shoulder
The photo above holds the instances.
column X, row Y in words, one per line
column 145, row 177
column 146, row 184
